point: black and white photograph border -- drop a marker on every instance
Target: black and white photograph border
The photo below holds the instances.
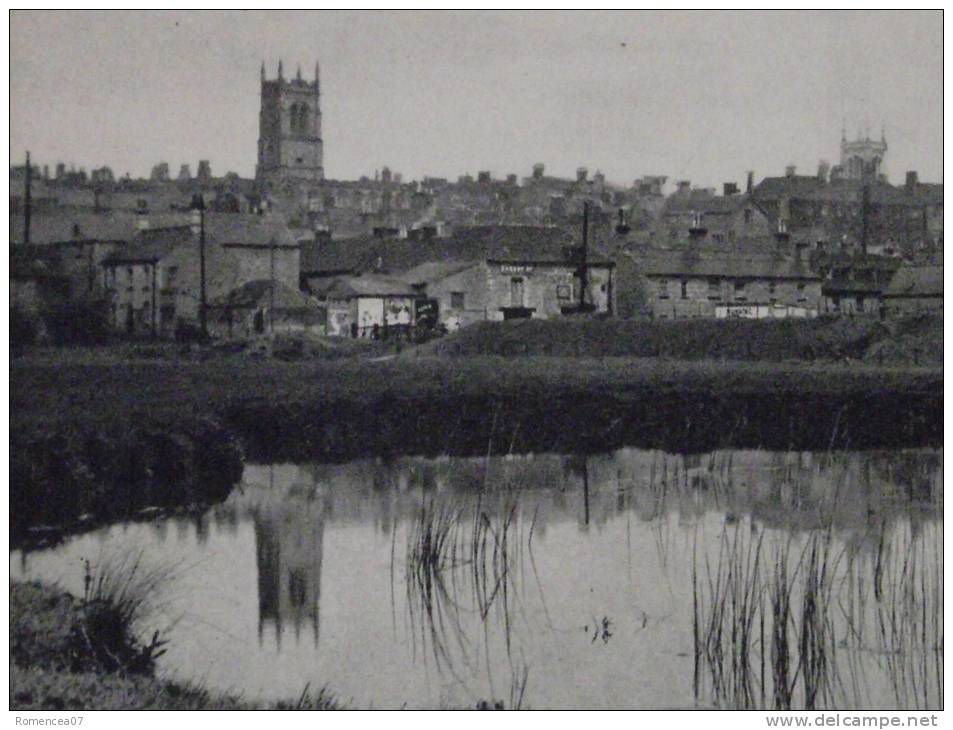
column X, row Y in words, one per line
column 476, row 360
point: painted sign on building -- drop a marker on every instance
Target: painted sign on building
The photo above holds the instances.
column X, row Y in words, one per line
column 762, row 311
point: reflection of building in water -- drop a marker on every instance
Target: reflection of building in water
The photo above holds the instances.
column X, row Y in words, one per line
column 289, row 536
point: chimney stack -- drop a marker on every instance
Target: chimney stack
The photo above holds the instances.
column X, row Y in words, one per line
column 538, row 169
column 729, row 189
column 750, row 187
column 912, row 181
column 582, row 174
column 790, row 171
column 684, row 187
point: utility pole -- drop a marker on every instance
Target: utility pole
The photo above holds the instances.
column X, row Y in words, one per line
column 27, row 200
column 198, row 203
column 865, row 214
column 271, row 290
column 583, row 273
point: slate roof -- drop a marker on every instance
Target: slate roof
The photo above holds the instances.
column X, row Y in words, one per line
column 73, row 225
column 366, row 285
column 804, row 187
column 432, row 271
column 501, row 244
column 916, row 281
column 693, row 263
column 150, row 245
column 258, row 291
column 705, row 204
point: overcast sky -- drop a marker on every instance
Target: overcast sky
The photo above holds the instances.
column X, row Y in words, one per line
column 702, row 96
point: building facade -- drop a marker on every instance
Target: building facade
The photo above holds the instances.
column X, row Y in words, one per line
column 689, row 284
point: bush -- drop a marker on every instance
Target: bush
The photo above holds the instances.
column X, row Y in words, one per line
column 23, row 330
column 78, row 323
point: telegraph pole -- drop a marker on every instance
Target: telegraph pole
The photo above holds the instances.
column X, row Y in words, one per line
column 583, row 273
column 865, row 214
column 198, row 203
column 27, row 200
column 271, row 291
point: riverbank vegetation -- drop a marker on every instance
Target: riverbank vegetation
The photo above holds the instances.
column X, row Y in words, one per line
column 913, row 341
column 94, row 441
column 68, row 653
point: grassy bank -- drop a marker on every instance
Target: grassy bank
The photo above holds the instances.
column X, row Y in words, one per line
column 58, row 662
column 107, row 438
column 908, row 342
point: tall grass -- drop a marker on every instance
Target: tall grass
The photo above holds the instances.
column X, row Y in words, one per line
column 119, row 596
column 461, row 567
column 838, row 629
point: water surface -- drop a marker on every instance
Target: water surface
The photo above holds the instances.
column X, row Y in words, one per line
column 560, row 581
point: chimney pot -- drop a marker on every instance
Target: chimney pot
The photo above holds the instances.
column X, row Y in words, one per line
column 912, row 180
column 790, row 171
column 750, row 187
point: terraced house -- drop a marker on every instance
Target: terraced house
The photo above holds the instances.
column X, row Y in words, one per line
column 690, row 283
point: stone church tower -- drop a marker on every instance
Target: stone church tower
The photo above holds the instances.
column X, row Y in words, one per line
column 289, row 130
column 863, row 158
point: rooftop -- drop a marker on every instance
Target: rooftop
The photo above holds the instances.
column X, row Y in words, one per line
column 916, row 281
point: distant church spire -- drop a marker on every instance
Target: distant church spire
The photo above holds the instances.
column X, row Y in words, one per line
column 298, row 75
column 280, row 69
column 263, row 69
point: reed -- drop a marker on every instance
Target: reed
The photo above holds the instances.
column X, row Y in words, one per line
column 831, row 624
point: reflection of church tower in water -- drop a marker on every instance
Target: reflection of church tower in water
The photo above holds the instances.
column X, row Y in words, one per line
column 289, row 537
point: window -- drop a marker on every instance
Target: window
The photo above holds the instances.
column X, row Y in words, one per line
column 662, row 289
column 684, row 289
column 516, row 291
column 714, row 289
column 457, row 300
column 719, row 237
column 564, row 292
column 170, row 275
column 802, row 293
column 749, row 215
column 772, row 291
column 740, row 295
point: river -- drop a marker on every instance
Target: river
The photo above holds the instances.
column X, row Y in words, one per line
column 549, row 581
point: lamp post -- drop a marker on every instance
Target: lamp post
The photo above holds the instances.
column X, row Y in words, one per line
column 198, row 205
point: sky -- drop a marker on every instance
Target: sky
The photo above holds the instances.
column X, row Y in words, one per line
column 703, row 96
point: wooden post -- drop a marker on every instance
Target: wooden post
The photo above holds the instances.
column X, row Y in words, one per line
column 582, row 263
column 27, row 200
column 271, row 290
column 865, row 215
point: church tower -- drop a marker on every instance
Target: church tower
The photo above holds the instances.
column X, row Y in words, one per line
column 289, row 129
column 862, row 159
